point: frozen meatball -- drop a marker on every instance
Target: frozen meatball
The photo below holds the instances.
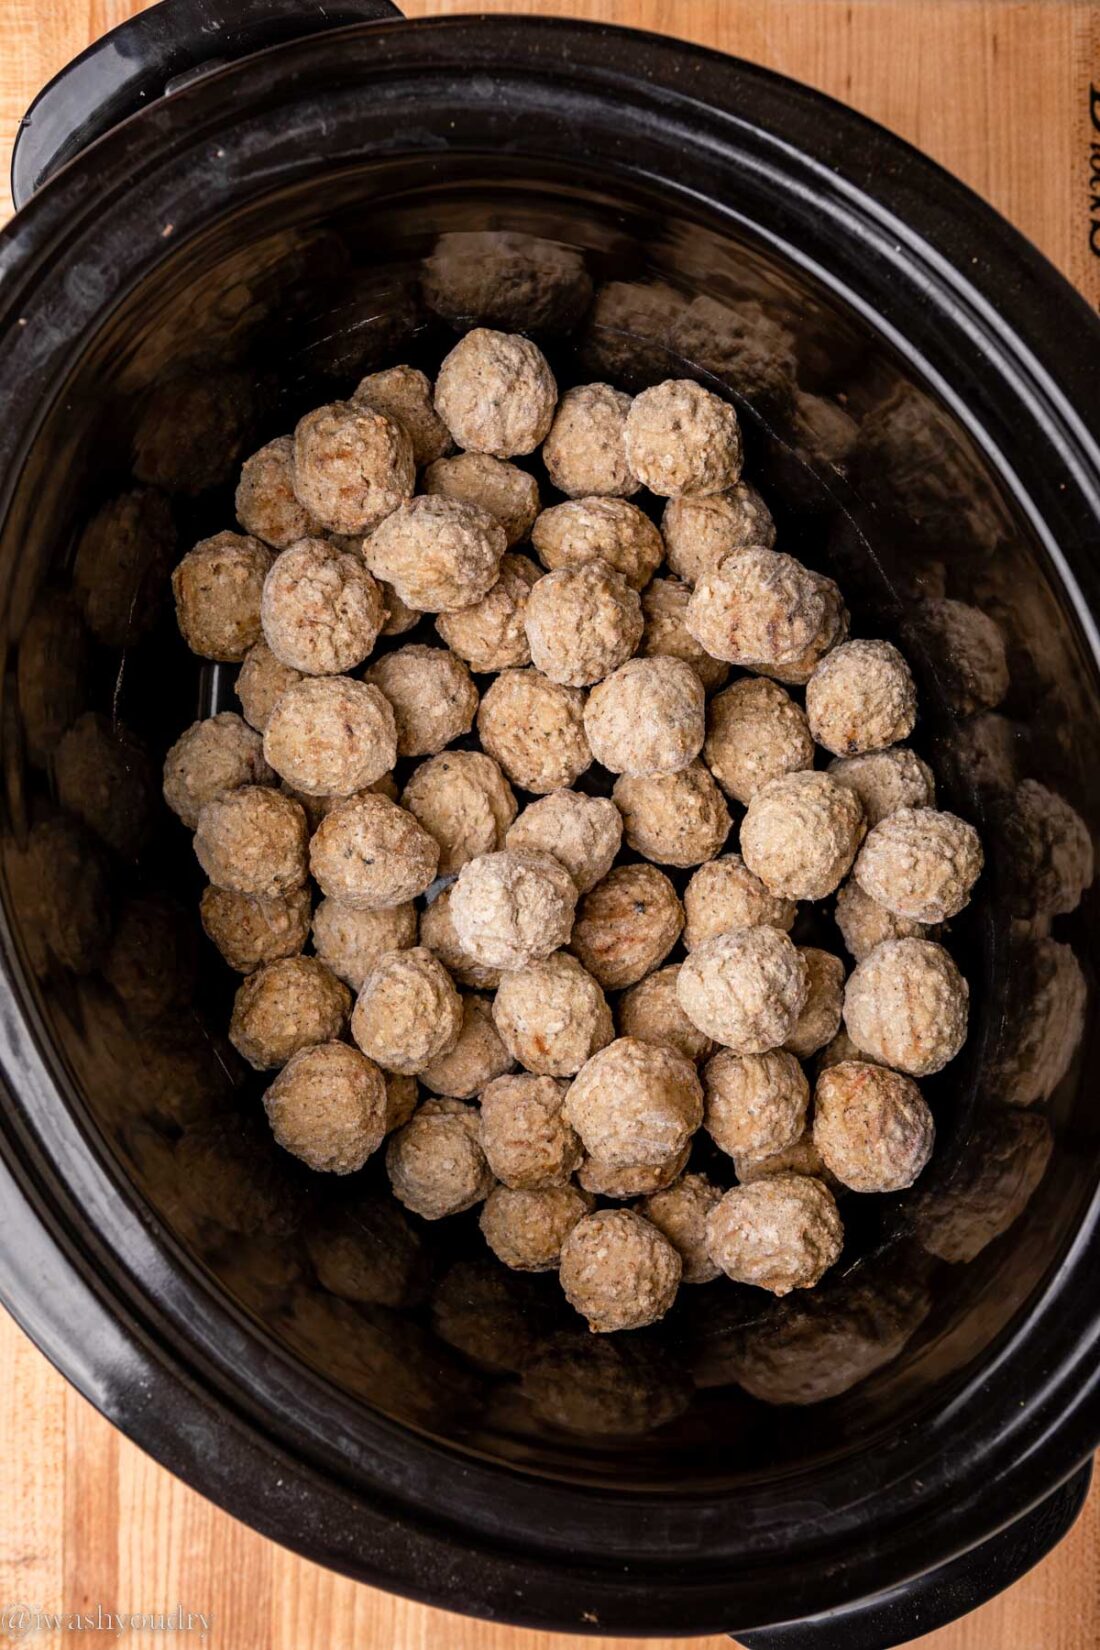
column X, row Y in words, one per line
column 435, row 1164
column 317, row 808
column 249, row 931
column 885, row 781
column 635, row 1179
column 286, row 1006
column 745, row 988
column 369, row 853
column 609, row 529
column 122, row 564
column 439, row 555
column 352, row 942
column 779, row 1233
column 213, row 756
column 618, row 1271
column 861, row 698
column 261, row 682
column 582, row 623
column 104, row 776
column 666, row 635
column 402, row 1099
column 217, row 587
column 841, row 1048
column 635, row 1102
column 490, row 635
column 766, row 612
column 504, row 491
column 755, row 1103
column 627, row 924
column 432, row 693
column 552, row 1015
column 725, row 894
column 920, row 864
column 476, row 1059
column 682, row 439
column 462, row 799
column 755, row 733
column 266, row 505
column 584, row 832
column 328, row 1107
column 650, row 1012
column 1049, row 851
column 330, row 736
column 800, row 834
column 700, row 532
column 253, row 841
column 352, row 466
column 524, row 1135
column 673, row 818
column 871, row 1126
column 535, row 729
column 321, row 610
column 906, row 1004
column 408, row 1012
column 680, row 1213
column 819, row 1020
column 437, row 933
column 647, row 718
column 526, row 1228
column 584, row 453
column 967, row 653
column 399, row 617
column 865, row 923
column 405, row 395
column 800, row 1157
column 496, row 394
column 511, row 907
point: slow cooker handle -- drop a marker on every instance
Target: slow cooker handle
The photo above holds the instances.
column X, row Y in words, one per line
column 155, row 53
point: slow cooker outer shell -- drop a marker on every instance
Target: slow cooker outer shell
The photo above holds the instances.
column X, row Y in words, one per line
column 102, row 1288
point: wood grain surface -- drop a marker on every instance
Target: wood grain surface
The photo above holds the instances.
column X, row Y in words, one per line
column 998, row 93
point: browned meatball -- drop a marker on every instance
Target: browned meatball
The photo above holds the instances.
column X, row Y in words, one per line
column 368, row 853
column 524, row 1133
column 907, row 1005
column 352, row 466
column 650, row 1011
column 249, row 931
column 745, row 988
column 321, row 610
column 768, row 613
column 871, row 1126
column 780, row 1233
column 682, row 439
column 464, row 802
column 435, row 1164
column 217, row 587
column 496, row 394
column 627, row 925
column 635, row 1102
column 535, row 729
column 253, row 841
column 525, row 1228
column 680, row 1213
column 552, row 1015
column 618, row 1271
column 328, row 1107
column 286, row 1006
column 408, row 1012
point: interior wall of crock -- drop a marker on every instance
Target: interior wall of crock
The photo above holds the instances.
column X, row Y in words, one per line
column 234, row 336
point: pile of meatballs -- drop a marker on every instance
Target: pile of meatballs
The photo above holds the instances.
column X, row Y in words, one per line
column 484, row 997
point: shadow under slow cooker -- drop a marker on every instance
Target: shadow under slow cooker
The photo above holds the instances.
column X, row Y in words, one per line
column 285, row 304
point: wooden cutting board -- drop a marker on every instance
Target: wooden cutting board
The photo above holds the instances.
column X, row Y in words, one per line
column 999, row 93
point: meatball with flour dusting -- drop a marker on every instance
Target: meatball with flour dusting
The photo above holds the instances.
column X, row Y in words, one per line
column 635, row 1102
column 218, row 586
column 650, row 1012
column 216, row 755
column 871, row 1126
column 369, row 853
column 526, row 1228
column 524, row 1133
column 680, row 1213
column 765, row 611
column 331, row 736
column 585, row 453
column 673, row 818
column 745, row 989
column 608, row 529
column 506, row 492
column 801, row 833
column 582, row 623
column 265, row 502
column 819, row 1021
column 666, row 635
column 552, row 1015
column 261, row 682
column 865, row 923
column 496, row 394
column 432, row 693
column 249, row 931
column 352, row 466
column 285, row 1006
column 627, row 925
column 755, row 1104
column 439, row 555
column 618, row 1271
column 253, row 840
column 906, row 1004
column 700, row 532
column 584, row 832
column 755, row 733
column 435, row 1164
column 779, row 1233
column 462, row 799
column 408, row 1012
column 647, row 717
column 405, row 395
column 351, row 942
column 724, row 894
column 535, row 729
column 511, row 907
column 321, row 610
column 328, row 1107
column 476, row 1059
column 635, row 1179
column 861, row 698
column 437, row 934
column 490, row 635
column 682, row 439
column 920, row 864
column 886, row 780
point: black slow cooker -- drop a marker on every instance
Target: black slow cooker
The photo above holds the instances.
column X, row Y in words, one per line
column 228, row 214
